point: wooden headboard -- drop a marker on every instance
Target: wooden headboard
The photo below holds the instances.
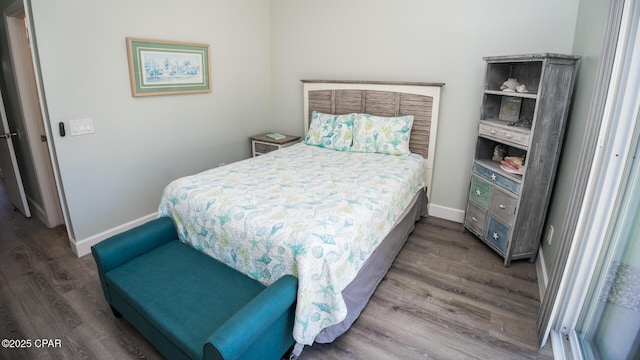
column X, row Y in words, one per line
column 387, row 99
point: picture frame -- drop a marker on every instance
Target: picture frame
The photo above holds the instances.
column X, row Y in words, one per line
column 158, row 67
column 510, row 108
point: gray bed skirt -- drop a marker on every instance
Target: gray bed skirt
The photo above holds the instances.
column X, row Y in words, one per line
column 359, row 291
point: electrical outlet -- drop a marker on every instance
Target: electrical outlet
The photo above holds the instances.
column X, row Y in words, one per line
column 550, row 235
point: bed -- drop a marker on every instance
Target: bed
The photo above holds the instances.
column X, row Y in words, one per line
column 333, row 217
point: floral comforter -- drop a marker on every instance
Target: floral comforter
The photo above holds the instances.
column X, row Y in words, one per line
column 303, row 210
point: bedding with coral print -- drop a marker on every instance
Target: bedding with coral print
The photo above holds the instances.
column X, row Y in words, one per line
column 330, row 131
column 303, row 210
column 381, row 134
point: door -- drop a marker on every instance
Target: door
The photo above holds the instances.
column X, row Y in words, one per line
column 608, row 325
column 10, row 172
column 33, row 136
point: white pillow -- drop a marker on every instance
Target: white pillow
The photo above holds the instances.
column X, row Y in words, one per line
column 385, row 135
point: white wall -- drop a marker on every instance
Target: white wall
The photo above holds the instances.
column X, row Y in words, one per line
column 140, row 144
column 412, row 40
column 261, row 51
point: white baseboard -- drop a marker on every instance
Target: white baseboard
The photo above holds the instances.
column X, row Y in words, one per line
column 83, row 247
column 446, row 213
column 541, row 271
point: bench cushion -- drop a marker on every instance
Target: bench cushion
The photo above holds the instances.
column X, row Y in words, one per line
column 183, row 293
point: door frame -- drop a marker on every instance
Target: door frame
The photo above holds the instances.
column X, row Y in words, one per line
column 32, row 109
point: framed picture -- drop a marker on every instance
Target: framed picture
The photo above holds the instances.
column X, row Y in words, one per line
column 164, row 67
column 510, row 108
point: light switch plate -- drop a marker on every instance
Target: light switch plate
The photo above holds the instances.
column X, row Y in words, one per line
column 80, row 127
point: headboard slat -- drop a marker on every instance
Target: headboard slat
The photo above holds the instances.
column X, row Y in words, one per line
column 349, row 101
column 320, row 101
column 381, row 103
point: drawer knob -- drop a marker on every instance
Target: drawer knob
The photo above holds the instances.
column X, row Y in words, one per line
column 474, row 219
column 495, row 236
column 493, row 177
column 478, row 192
column 509, row 135
column 493, row 131
column 502, row 206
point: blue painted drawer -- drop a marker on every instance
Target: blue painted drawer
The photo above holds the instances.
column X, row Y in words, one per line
column 498, row 234
column 494, row 177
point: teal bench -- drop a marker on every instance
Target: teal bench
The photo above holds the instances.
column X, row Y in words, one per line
column 187, row 304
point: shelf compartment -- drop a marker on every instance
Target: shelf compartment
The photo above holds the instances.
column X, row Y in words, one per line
column 492, row 102
column 484, row 155
column 526, row 72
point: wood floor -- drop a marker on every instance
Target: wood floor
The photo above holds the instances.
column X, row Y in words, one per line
column 447, row 296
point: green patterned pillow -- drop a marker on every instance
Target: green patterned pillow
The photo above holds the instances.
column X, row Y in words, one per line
column 330, row 131
column 385, row 135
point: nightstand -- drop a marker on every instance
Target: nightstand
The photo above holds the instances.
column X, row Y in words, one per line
column 262, row 144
